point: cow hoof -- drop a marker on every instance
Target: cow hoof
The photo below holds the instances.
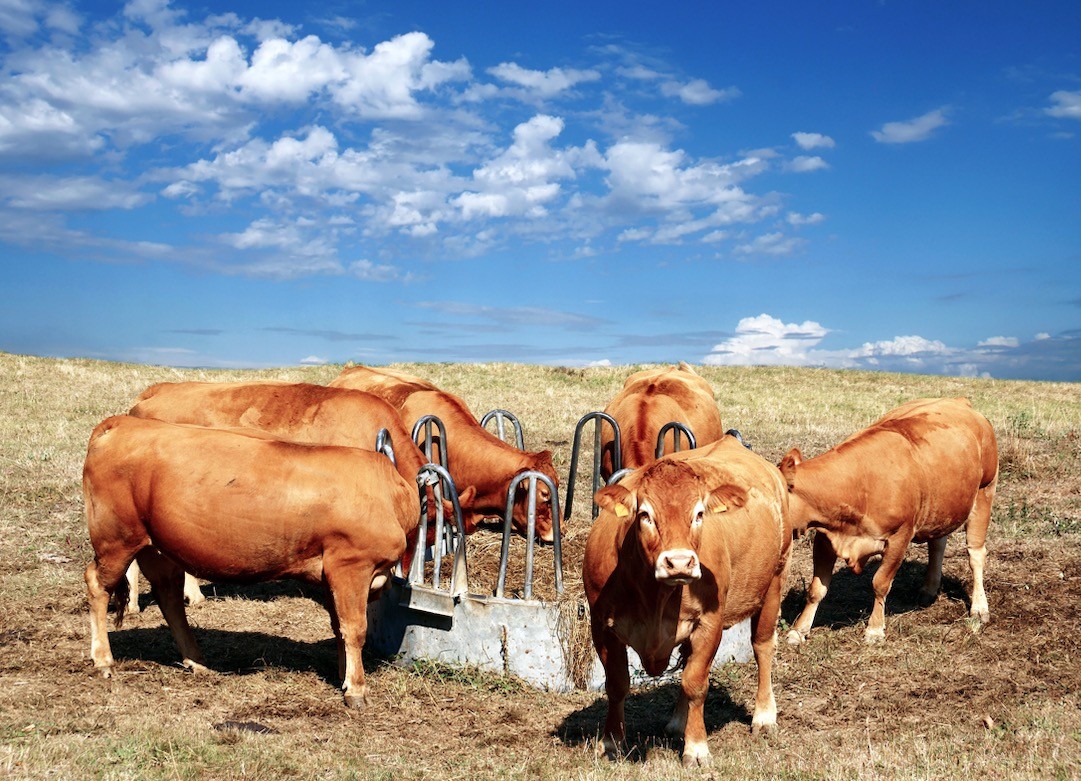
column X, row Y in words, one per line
column 196, row 667
column 925, row 599
column 696, row 755
column 612, row 749
column 764, row 725
column 874, row 636
column 980, row 616
column 794, row 637
column 356, row 702
column 106, row 671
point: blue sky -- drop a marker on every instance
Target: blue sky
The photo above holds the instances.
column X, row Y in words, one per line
column 883, row 185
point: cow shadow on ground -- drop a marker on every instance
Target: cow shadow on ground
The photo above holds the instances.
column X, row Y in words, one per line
column 850, row 597
column 233, row 652
column 647, row 712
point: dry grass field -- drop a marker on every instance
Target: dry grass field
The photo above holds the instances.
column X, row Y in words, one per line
column 936, row 700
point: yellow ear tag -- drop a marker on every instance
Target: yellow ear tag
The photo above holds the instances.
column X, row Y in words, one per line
column 622, row 511
column 720, row 508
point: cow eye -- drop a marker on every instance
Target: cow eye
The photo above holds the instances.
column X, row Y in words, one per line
column 645, row 519
column 698, row 517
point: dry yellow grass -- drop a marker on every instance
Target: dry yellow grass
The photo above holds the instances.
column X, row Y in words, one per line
column 935, row 701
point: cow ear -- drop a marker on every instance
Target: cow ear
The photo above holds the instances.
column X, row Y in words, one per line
column 791, row 460
column 617, row 499
column 467, row 496
column 726, row 497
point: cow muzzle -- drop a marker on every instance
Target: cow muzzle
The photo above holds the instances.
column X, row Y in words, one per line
column 678, row 567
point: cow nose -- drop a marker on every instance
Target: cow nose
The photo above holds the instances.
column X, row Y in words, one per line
column 678, row 566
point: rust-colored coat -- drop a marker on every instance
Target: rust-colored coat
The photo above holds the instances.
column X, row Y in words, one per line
column 232, row 507
column 649, row 400
column 684, row 548
column 919, row 473
column 294, row 411
column 475, row 457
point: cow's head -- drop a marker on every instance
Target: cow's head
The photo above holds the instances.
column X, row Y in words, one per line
column 539, row 462
column 670, row 506
column 800, row 512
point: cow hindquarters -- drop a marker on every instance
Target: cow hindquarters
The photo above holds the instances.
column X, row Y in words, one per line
column 825, row 557
column 976, row 538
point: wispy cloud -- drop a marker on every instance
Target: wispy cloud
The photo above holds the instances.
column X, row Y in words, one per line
column 911, row 130
column 532, row 316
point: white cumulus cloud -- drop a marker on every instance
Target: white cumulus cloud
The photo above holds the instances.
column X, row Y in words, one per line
column 813, row 141
column 1066, row 104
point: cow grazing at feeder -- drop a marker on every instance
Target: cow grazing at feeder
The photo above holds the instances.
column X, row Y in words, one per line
column 238, row 508
column 916, row 475
column 649, row 400
column 475, row 457
column 297, row 412
column 683, row 549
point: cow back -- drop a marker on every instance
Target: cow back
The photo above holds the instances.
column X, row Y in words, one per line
column 299, row 412
column 652, row 398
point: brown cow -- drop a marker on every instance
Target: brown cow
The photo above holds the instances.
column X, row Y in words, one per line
column 297, row 412
column 650, row 399
column 916, row 475
column 684, row 548
column 244, row 509
column 475, row 457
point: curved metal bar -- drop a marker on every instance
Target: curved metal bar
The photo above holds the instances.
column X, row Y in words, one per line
column 617, row 476
column 425, row 424
column 441, row 483
column 735, row 433
column 500, row 416
column 385, row 445
column 508, row 518
column 599, row 419
column 676, row 428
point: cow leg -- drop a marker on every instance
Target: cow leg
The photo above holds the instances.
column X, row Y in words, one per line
column 101, row 580
column 825, row 557
column 167, row 581
column 193, row 595
column 695, row 684
column 348, row 581
column 976, row 539
column 932, row 581
column 892, row 557
column 133, row 588
column 617, row 683
column 764, row 644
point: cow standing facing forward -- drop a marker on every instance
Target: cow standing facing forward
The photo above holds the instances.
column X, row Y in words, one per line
column 238, row 508
column 916, row 475
column 683, row 549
